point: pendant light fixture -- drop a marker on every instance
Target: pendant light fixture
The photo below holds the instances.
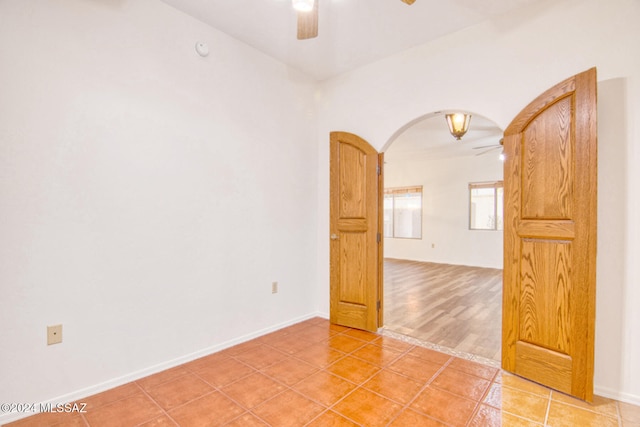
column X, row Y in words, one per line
column 303, row 5
column 458, row 124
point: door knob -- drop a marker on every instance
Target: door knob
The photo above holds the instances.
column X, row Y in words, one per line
column 335, row 237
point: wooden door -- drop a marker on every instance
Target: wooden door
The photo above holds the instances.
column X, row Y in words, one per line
column 550, row 238
column 356, row 243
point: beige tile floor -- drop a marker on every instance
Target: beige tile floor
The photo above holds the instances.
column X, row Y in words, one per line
column 317, row 374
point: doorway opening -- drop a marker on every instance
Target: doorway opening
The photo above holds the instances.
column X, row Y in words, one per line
column 443, row 255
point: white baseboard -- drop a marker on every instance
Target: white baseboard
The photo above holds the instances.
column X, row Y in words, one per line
column 617, row 395
column 78, row 395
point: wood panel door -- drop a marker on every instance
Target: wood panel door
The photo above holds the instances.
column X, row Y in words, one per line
column 356, row 244
column 550, row 238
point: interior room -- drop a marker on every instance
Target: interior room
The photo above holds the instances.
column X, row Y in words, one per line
column 164, row 197
column 443, row 252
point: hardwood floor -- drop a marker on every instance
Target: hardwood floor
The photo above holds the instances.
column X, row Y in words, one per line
column 452, row 306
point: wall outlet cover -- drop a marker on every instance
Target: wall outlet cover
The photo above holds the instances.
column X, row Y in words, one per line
column 54, row 334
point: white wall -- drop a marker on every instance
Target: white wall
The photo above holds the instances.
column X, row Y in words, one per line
column 495, row 69
column 446, row 237
column 148, row 196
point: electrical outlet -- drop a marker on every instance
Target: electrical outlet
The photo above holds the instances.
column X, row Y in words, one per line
column 274, row 287
column 54, row 334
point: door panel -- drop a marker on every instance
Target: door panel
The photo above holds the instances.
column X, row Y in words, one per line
column 550, row 238
column 547, row 178
column 353, row 260
column 355, row 249
column 353, row 182
column 543, row 309
column 551, row 368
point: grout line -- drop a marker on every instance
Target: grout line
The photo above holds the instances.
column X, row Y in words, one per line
column 337, row 413
column 619, row 413
column 250, row 410
column 254, row 370
column 474, row 413
column 344, row 355
column 481, row 402
column 590, row 408
column 421, row 390
column 546, row 415
column 164, row 411
column 259, row 404
column 531, row 393
column 255, row 415
column 317, row 416
column 520, row 417
column 357, row 386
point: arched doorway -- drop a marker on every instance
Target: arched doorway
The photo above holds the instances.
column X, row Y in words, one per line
column 443, row 253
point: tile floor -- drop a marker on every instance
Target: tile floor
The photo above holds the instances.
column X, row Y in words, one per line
column 317, row 374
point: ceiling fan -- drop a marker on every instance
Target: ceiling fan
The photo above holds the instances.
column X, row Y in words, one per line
column 307, row 11
column 488, row 148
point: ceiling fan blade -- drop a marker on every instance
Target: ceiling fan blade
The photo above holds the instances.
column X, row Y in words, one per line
column 308, row 23
column 485, row 146
column 488, row 150
column 409, row 2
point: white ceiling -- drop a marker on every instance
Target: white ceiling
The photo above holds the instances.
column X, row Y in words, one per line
column 430, row 139
column 352, row 33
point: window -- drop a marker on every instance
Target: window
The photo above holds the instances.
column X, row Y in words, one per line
column 485, row 205
column 403, row 212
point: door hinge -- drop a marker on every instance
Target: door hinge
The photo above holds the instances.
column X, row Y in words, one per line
column 378, row 169
column 378, row 238
column 378, row 305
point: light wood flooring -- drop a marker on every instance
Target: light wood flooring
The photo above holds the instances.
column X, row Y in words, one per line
column 452, row 306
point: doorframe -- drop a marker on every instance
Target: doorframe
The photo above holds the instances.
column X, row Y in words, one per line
column 381, row 244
